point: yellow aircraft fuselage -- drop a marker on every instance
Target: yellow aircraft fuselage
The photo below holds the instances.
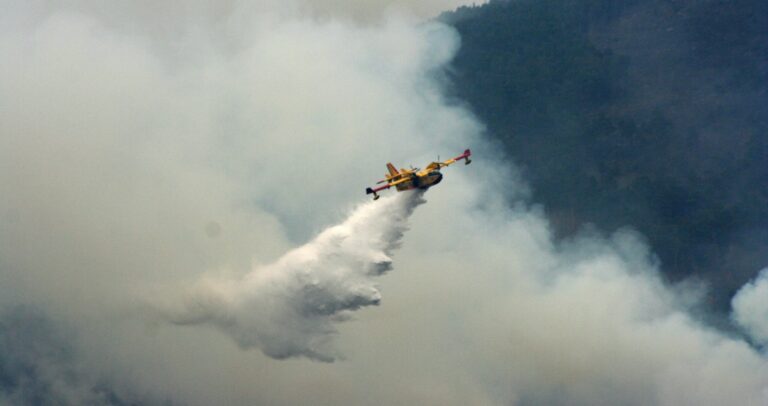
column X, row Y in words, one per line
column 414, row 178
column 422, row 180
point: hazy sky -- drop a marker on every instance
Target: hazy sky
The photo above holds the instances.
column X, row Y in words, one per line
column 146, row 149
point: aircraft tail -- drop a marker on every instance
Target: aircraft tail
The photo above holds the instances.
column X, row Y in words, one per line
column 392, row 170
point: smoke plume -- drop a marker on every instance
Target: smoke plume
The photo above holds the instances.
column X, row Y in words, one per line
column 750, row 308
column 142, row 148
column 288, row 308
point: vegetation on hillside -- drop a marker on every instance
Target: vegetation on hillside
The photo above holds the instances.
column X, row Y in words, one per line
column 650, row 114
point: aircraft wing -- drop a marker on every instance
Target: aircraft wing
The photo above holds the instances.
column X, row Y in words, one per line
column 399, row 181
column 465, row 156
column 387, row 186
column 404, row 174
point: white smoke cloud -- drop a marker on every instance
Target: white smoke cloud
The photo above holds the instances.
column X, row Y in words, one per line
column 288, row 308
column 147, row 150
column 750, row 308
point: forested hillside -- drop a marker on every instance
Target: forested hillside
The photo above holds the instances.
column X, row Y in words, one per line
column 648, row 114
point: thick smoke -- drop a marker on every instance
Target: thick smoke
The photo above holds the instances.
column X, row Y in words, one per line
column 289, row 308
column 750, row 308
column 137, row 157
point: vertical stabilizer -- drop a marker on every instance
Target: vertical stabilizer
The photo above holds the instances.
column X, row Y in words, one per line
column 392, row 170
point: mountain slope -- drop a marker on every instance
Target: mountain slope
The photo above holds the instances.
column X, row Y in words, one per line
column 652, row 115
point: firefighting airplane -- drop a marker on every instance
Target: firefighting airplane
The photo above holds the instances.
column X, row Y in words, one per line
column 414, row 178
